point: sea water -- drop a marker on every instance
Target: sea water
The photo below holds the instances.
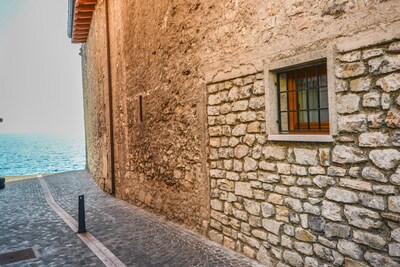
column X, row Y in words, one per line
column 26, row 154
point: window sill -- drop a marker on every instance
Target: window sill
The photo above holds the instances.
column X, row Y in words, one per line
column 315, row 138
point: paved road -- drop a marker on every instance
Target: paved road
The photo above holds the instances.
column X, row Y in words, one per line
column 135, row 236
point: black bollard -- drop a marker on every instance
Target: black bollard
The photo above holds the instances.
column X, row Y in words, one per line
column 2, row 182
column 81, row 215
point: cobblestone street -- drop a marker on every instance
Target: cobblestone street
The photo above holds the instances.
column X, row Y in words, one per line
column 135, row 236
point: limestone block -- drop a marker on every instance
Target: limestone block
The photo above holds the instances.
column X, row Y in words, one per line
column 243, row 189
column 250, row 164
column 286, row 241
column 225, row 108
column 249, row 139
column 362, row 218
column 258, row 88
column 341, row 86
column 394, row 203
column 214, row 99
column 354, row 171
column 233, row 94
column 348, row 103
column 298, row 170
column 323, row 252
column 240, row 214
column 373, row 139
column 233, row 176
column 274, row 152
column 336, row 171
column 298, row 192
column 240, row 105
column 337, row 230
column 341, row 195
column 356, row 184
column 252, row 207
column 395, row 235
column 308, row 208
column 245, row 91
column 268, row 177
column 293, row 258
column 257, row 102
column 316, row 170
column 386, row 101
column 350, row 57
column 324, row 156
column 394, row 249
column 241, row 151
column 323, row 181
column 272, row 226
column 375, row 120
column 374, row 174
column 352, row 123
column 390, row 83
column 254, row 127
column 247, row 116
column 215, row 236
column 239, row 130
column 379, row 260
column 350, row 249
column 305, row 156
column 384, row 189
column 310, row 262
column 348, row 70
column 267, row 166
column 283, row 168
column 294, row 204
column 372, row 240
column 360, row 85
column 233, row 141
column 385, row 159
column 304, row 235
column 275, row 199
column 264, row 257
column 371, row 100
column 393, row 119
column 375, row 52
column 331, row 211
column 384, row 64
column 371, row 201
column 317, row 223
column 346, row 154
column 304, row 181
column 267, row 210
column 217, row 205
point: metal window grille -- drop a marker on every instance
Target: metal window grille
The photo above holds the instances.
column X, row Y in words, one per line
column 303, row 100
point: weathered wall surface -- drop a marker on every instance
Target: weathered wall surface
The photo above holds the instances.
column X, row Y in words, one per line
column 170, row 52
column 311, row 203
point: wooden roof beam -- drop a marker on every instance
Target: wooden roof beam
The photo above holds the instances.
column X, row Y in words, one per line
column 85, row 8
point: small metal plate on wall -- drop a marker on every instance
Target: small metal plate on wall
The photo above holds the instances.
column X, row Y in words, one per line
column 16, row 256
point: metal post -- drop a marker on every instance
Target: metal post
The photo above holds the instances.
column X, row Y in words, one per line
column 81, row 215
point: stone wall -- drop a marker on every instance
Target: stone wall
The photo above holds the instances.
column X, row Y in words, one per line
column 166, row 52
column 309, row 204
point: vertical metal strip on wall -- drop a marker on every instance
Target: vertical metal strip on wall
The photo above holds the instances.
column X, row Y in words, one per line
column 110, row 99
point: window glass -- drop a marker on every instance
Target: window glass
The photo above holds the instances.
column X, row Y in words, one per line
column 303, row 100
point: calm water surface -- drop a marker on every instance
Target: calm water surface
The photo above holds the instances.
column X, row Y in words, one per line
column 23, row 154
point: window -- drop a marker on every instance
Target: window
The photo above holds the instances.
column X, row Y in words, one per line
column 303, row 100
column 300, row 98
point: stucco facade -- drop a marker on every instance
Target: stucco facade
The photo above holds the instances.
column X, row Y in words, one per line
column 194, row 124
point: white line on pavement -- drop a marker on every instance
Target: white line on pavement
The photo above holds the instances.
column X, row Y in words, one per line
column 103, row 253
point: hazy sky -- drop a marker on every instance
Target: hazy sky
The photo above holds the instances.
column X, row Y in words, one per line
column 40, row 71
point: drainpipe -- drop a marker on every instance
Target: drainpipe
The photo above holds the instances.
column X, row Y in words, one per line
column 110, row 100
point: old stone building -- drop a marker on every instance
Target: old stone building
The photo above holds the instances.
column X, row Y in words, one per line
column 272, row 127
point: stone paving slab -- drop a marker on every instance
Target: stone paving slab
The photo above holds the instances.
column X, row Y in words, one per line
column 28, row 221
column 135, row 236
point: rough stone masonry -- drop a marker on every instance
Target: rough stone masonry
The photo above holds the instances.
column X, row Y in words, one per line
column 307, row 204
